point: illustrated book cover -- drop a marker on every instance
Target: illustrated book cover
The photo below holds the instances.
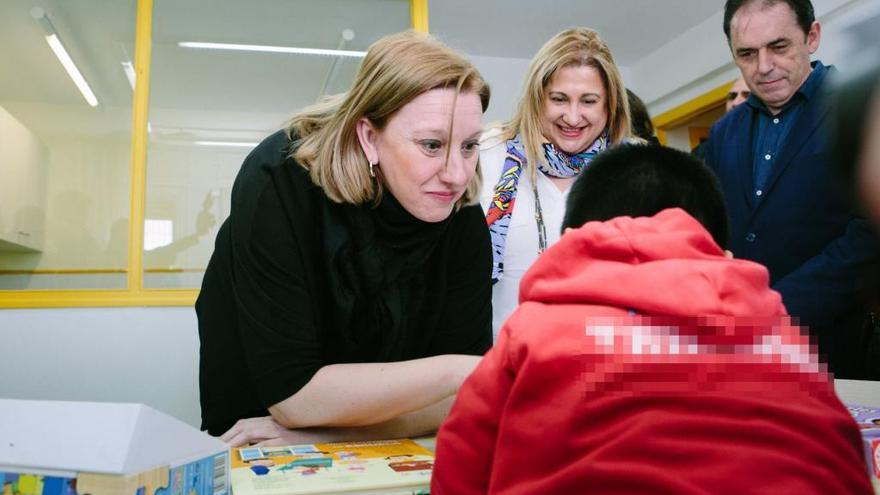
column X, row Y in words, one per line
column 868, row 419
column 386, row 467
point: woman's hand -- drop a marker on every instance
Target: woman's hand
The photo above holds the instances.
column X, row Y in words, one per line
column 265, row 431
column 252, row 430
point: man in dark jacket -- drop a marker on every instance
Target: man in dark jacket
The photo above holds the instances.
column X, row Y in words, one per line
column 772, row 157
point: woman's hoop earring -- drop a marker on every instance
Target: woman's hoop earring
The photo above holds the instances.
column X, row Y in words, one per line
column 372, row 172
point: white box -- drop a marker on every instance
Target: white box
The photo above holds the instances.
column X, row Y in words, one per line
column 69, row 448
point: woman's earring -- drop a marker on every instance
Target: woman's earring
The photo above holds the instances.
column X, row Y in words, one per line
column 372, row 172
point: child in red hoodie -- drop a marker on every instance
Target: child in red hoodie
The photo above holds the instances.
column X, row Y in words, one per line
column 642, row 359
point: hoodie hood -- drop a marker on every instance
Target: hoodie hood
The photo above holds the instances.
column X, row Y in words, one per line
column 666, row 265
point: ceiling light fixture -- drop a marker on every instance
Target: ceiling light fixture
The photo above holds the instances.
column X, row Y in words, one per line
column 57, row 46
column 128, row 68
column 346, row 36
column 272, row 49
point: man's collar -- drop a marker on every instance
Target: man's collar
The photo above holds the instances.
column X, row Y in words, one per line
column 808, row 89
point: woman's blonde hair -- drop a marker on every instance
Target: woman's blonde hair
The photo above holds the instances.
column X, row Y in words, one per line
column 397, row 68
column 575, row 47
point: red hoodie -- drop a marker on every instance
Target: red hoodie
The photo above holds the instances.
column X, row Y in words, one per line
column 641, row 360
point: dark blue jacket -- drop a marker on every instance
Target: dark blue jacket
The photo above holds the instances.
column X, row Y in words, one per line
column 803, row 228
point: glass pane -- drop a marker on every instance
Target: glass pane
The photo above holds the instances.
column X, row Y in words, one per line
column 64, row 162
column 210, row 107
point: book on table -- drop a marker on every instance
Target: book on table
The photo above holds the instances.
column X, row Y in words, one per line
column 868, row 419
column 386, row 467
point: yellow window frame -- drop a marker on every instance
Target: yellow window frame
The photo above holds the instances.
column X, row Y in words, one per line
column 674, row 117
column 135, row 294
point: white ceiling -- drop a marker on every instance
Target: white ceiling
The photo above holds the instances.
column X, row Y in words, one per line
column 246, row 93
column 518, row 28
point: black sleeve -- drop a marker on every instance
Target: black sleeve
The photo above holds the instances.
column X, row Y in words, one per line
column 276, row 314
column 466, row 320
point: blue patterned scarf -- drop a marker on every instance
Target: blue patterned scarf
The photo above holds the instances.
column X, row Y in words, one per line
column 557, row 164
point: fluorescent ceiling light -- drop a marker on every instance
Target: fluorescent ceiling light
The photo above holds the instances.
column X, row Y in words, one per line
column 58, row 48
column 128, row 68
column 237, row 144
column 72, row 70
column 272, row 49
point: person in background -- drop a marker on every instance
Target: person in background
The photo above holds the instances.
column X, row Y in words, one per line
column 573, row 107
column 738, row 94
column 772, row 156
column 642, row 127
column 349, row 291
column 643, row 359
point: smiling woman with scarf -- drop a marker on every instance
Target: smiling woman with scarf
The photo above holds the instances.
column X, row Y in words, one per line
column 573, row 106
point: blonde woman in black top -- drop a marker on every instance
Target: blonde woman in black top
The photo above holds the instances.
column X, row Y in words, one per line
column 349, row 292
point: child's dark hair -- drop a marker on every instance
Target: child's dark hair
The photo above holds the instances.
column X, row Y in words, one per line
column 640, row 119
column 641, row 180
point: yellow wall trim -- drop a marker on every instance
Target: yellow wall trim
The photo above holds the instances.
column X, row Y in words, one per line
column 97, row 271
column 175, row 270
column 100, row 298
column 697, row 134
column 65, row 271
column 706, row 101
column 418, row 10
column 662, row 136
column 142, row 53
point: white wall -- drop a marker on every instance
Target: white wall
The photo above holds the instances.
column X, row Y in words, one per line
column 679, row 138
column 23, row 160
column 505, row 78
column 146, row 355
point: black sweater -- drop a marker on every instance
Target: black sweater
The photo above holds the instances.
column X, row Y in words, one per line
column 297, row 282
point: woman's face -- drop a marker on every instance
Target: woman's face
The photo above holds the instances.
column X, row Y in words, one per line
column 575, row 108
column 411, row 151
